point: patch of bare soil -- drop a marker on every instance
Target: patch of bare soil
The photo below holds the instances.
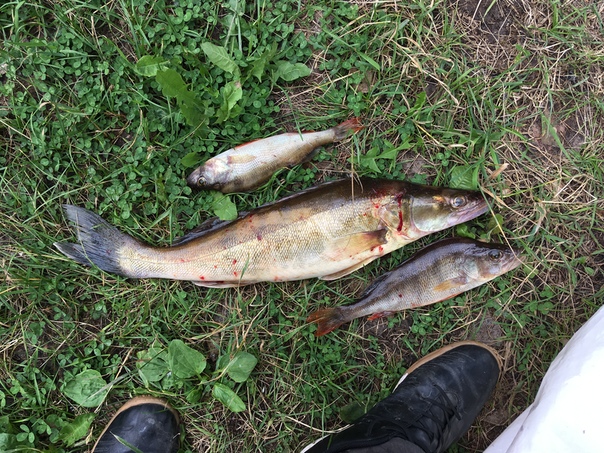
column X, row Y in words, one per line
column 494, row 19
column 492, row 30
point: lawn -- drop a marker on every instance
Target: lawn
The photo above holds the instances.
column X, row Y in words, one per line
column 110, row 105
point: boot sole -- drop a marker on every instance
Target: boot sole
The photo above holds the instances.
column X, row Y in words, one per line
column 137, row 401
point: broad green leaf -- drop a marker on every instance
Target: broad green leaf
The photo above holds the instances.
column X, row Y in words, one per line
column 194, row 396
column 194, row 112
column 185, row 362
column 240, row 367
column 220, row 57
column 223, row 207
column 172, row 84
column 495, row 222
column 8, row 442
column 228, row 397
column 35, row 42
column 77, row 429
column 289, row 72
column 464, row 177
column 149, row 65
column 231, row 94
column 464, row 231
column 365, row 57
column 88, row 389
column 190, row 160
column 259, row 65
column 368, row 160
column 152, row 365
column 222, row 362
column 5, row 425
column 391, row 152
column 419, row 178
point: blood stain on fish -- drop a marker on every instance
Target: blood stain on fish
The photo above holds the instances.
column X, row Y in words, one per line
column 399, row 200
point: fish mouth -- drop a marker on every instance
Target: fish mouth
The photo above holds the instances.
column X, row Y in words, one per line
column 511, row 260
column 515, row 260
column 476, row 208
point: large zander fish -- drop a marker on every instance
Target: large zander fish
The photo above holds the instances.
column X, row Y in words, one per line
column 436, row 273
column 327, row 231
column 250, row 165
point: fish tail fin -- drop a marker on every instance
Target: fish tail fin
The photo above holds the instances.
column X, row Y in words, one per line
column 344, row 129
column 327, row 319
column 98, row 241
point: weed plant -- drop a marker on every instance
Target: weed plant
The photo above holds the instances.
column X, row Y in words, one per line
column 108, row 105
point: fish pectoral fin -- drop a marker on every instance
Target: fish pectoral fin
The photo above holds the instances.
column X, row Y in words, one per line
column 450, row 284
column 348, row 270
column 374, row 284
column 308, row 157
column 347, row 246
column 206, row 227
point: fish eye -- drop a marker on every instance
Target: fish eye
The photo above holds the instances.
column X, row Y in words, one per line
column 495, row 255
column 458, row 201
column 201, row 181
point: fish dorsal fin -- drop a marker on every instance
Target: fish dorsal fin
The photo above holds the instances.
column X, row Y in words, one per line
column 214, row 223
column 209, row 225
column 374, row 284
column 301, row 193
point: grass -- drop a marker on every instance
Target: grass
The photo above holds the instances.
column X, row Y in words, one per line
column 511, row 91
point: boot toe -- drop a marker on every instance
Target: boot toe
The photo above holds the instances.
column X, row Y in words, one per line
column 148, row 424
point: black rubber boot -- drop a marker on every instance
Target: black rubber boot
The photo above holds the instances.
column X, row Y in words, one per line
column 433, row 405
column 146, row 423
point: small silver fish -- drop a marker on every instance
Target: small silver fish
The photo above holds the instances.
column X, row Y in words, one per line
column 250, row 165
